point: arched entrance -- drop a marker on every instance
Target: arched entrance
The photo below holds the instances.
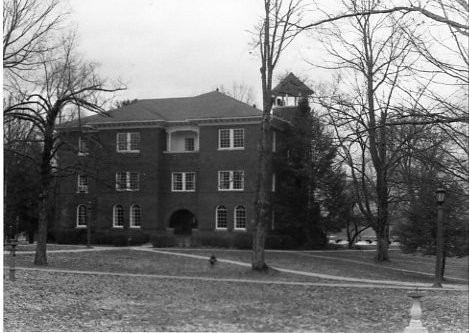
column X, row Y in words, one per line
column 183, row 221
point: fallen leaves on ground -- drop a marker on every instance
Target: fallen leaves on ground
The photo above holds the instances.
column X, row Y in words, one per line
column 48, row 301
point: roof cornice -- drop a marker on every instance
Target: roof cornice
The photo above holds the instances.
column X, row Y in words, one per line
column 162, row 123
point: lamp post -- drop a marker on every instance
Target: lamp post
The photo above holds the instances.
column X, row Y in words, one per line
column 440, row 194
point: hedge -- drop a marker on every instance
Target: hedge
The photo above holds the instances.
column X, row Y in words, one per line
column 111, row 237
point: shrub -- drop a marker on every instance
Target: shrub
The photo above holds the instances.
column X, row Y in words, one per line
column 118, row 238
column 139, row 238
column 163, row 240
column 242, row 241
column 77, row 236
column 212, row 239
column 280, row 242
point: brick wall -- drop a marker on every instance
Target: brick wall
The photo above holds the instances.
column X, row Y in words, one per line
column 155, row 166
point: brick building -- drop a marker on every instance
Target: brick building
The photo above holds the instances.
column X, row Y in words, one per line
column 162, row 166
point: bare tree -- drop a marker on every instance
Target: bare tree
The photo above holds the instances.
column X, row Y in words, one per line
column 273, row 35
column 240, row 91
column 27, row 29
column 66, row 82
column 374, row 57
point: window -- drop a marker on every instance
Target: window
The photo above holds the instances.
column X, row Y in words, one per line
column 118, row 217
column 231, row 138
column 189, row 144
column 81, row 216
column 231, row 180
column 128, row 142
column 221, row 217
column 83, row 147
column 183, row 182
column 127, row 181
column 82, row 184
column 135, row 216
column 240, row 217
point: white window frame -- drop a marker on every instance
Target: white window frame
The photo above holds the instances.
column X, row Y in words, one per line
column 127, row 142
column 236, row 218
column 82, row 184
column 114, row 217
column 217, row 217
column 231, row 180
column 127, row 185
column 274, row 184
column 83, row 146
column 132, row 216
column 231, row 145
column 183, row 180
column 78, row 217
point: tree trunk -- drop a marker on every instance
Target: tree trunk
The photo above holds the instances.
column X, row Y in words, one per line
column 41, row 247
column 262, row 202
column 40, row 258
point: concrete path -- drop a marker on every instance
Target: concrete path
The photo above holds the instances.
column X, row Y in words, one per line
column 318, row 275
column 349, row 282
column 97, row 248
column 384, row 267
column 237, row 281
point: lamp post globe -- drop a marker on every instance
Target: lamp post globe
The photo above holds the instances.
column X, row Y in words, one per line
column 440, row 195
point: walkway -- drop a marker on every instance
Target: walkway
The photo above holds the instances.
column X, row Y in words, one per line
column 374, row 283
column 345, row 281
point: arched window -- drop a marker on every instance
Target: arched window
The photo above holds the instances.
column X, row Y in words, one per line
column 81, row 216
column 221, row 217
column 240, row 217
column 118, row 217
column 135, row 216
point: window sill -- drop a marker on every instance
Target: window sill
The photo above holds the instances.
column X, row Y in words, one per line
column 118, row 227
column 183, row 191
column 135, row 227
column 240, row 229
column 128, row 151
column 83, row 154
column 127, row 190
column 228, row 149
column 82, row 192
column 180, row 152
column 81, row 227
column 221, row 229
column 230, row 190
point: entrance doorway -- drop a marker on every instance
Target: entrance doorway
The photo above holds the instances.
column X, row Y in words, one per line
column 183, row 221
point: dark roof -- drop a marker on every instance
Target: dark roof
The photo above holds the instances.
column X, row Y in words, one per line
column 206, row 106
column 292, row 86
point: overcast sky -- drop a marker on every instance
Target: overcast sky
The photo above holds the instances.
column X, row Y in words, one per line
column 176, row 48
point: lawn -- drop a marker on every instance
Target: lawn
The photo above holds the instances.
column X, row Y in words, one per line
column 53, row 301
column 354, row 264
column 46, row 301
column 138, row 262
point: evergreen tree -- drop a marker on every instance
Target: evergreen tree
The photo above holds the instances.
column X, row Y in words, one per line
column 310, row 199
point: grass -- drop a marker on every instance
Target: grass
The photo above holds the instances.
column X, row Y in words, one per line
column 52, row 301
column 354, row 264
column 45, row 301
column 128, row 261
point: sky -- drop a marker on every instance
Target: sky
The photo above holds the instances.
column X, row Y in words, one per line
column 177, row 48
